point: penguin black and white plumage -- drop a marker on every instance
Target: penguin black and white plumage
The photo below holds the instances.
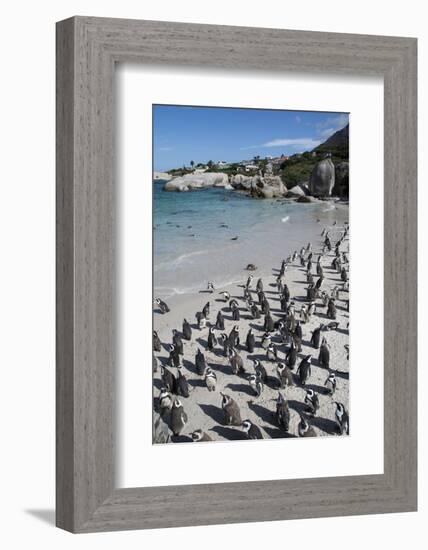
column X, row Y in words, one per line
column 234, row 337
column 201, row 320
column 200, row 362
column 154, row 364
column 182, row 387
column 298, row 330
column 324, row 355
column 282, row 412
column 250, row 341
column 219, row 324
column 236, row 362
column 291, row 357
column 156, row 342
column 232, row 413
column 305, row 429
column 199, row 435
column 312, row 401
column 272, row 353
column 286, row 293
column 261, row 296
column 331, row 383
column 164, row 401
column 163, row 306
column 224, row 339
column 174, row 356
column 168, row 380
column 285, row 376
column 319, row 283
column 255, row 312
column 342, row 419
column 178, row 417
column 255, row 384
column 331, row 309
column 311, row 293
column 206, row 310
column 210, row 379
column 311, row 309
column 236, row 314
column 266, row 340
column 304, row 314
column 260, row 371
column 249, row 281
column 226, row 295
column 252, row 431
column 259, row 285
column 283, row 303
column 316, row 337
column 187, row 330
column 304, row 369
column 265, row 307
column 212, row 339
column 210, row 287
column 344, row 275
column 268, row 324
column 177, row 341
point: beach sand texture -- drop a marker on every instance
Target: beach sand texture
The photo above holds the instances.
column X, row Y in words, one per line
column 203, row 408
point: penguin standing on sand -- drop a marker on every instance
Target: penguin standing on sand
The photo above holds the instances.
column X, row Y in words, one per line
column 304, row 369
column 266, row 340
column 255, row 384
column 199, row 435
column 331, row 309
column 200, row 362
column 212, row 339
column 182, row 387
column 268, row 324
column 168, row 380
column 178, row 417
column 174, row 356
column 236, row 315
column 249, row 281
column 206, row 310
column 232, row 414
column 272, row 353
column 252, row 431
column 155, row 364
column 156, row 341
column 286, row 293
column 163, row 306
column 164, row 401
column 177, row 341
column 255, row 313
column 260, row 371
column 187, row 330
column 331, row 383
column 259, row 286
column 234, row 337
column 250, row 341
column 291, row 357
column 305, row 429
column 342, row 419
column 324, row 355
column 282, row 412
column 219, row 324
column 210, row 287
column 285, row 377
column 210, row 379
column 312, row 401
column 236, row 362
column 201, row 320
column 283, row 303
column 316, row 337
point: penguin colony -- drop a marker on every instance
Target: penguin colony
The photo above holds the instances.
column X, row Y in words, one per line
column 276, row 374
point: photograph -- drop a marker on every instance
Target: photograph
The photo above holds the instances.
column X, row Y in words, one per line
column 251, row 274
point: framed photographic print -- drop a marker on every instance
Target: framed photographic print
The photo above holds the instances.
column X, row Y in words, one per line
column 236, row 274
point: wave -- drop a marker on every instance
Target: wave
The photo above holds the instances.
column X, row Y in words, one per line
column 329, row 208
column 176, row 262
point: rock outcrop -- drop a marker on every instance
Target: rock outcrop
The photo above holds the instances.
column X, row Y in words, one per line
column 190, row 182
column 322, row 178
column 161, row 176
column 263, row 187
column 341, row 186
column 296, row 192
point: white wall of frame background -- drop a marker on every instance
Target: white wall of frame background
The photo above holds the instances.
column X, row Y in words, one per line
column 27, row 230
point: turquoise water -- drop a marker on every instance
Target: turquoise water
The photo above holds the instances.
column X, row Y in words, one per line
column 193, row 235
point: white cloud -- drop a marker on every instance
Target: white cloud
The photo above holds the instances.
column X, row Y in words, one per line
column 327, row 132
column 305, row 143
column 334, row 123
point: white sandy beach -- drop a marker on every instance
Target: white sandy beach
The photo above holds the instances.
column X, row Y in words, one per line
column 203, row 408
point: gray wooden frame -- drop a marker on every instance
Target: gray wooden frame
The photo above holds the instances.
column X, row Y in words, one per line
column 87, row 50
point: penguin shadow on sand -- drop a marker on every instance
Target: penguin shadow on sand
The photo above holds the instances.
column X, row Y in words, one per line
column 324, row 424
column 263, row 413
column 216, row 413
column 297, row 406
column 203, row 342
column 232, row 434
column 276, row 433
column 243, row 388
column 341, row 374
column 317, row 389
column 158, row 311
column 189, row 366
column 181, row 439
column 196, row 383
column 157, row 383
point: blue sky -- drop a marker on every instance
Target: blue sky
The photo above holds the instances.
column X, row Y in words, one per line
column 182, row 134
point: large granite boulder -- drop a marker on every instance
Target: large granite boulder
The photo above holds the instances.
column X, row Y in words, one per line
column 322, row 178
column 341, row 186
column 296, row 192
column 190, row 182
column 161, row 176
column 241, row 182
column 268, row 187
